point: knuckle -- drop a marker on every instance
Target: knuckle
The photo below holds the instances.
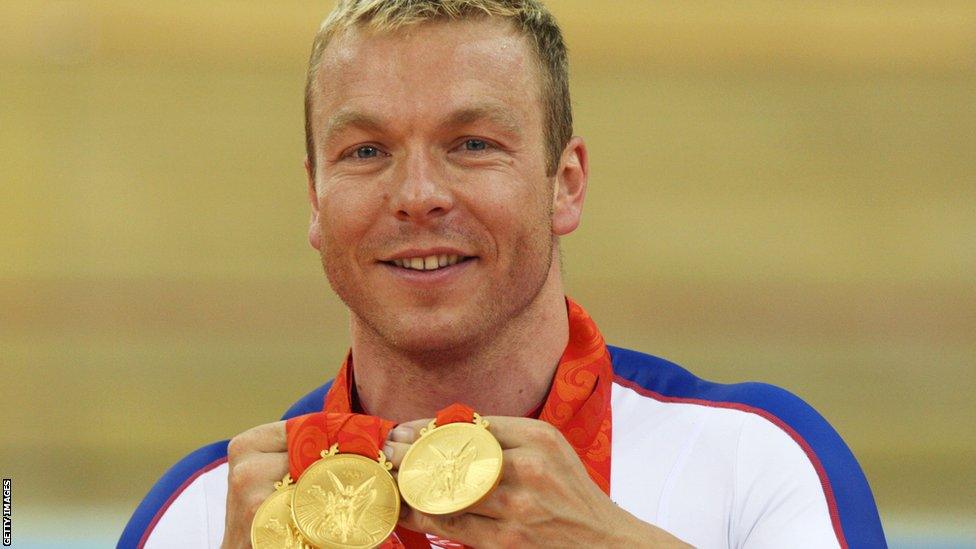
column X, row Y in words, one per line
column 548, row 436
column 237, row 447
column 520, row 503
column 529, row 466
column 241, row 474
column 503, row 497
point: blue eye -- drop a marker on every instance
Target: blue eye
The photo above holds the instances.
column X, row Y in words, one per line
column 367, row 151
column 475, row 145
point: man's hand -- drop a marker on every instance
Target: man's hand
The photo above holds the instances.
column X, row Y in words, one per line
column 256, row 459
column 545, row 497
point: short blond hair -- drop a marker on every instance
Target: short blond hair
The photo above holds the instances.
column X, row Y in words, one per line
column 532, row 19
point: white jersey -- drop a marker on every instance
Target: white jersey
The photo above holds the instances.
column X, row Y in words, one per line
column 746, row 465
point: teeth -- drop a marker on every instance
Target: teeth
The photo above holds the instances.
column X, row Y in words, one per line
column 429, row 263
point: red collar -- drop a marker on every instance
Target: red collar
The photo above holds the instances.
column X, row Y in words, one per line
column 578, row 403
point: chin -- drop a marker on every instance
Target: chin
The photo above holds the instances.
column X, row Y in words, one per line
column 417, row 335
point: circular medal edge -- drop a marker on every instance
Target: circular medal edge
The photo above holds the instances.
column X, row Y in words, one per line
column 443, row 431
column 328, row 461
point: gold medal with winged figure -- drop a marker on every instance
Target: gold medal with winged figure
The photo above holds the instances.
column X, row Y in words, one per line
column 346, row 501
column 451, row 467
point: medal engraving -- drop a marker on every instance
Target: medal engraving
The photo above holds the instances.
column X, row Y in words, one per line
column 272, row 527
column 346, row 501
column 450, row 468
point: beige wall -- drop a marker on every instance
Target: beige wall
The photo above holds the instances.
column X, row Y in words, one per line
column 781, row 191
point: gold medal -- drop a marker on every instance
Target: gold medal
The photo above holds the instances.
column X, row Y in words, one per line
column 346, row 501
column 451, row 467
column 272, row 527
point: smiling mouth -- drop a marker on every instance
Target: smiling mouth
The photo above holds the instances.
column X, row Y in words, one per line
column 429, row 263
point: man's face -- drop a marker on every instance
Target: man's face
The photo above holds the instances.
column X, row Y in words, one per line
column 432, row 210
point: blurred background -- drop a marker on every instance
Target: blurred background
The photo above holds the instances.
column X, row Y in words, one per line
column 781, row 191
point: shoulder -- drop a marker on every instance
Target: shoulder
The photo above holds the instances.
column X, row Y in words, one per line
column 181, row 488
column 666, row 382
column 186, row 505
column 767, row 422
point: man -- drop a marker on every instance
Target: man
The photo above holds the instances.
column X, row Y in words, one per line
column 441, row 172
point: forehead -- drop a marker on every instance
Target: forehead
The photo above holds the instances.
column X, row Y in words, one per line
column 429, row 69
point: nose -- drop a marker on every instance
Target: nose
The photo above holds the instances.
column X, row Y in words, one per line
column 423, row 194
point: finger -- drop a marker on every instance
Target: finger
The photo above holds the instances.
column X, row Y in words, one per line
column 511, row 432
column 465, row 528
column 522, row 469
column 514, row 432
column 270, row 437
column 252, row 478
column 259, row 469
column 524, row 466
column 395, row 451
column 503, row 501
column 409, row 431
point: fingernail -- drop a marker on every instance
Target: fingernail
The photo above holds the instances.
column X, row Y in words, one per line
column 402, row 434
column 388, row 452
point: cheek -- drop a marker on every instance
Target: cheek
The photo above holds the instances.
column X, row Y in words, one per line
column 517, row 221
column 346, row 218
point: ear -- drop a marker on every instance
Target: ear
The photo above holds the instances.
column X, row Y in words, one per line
column 570, row 187
column 314, row 234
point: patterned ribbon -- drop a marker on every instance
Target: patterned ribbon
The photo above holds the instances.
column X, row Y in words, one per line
column 579, row 401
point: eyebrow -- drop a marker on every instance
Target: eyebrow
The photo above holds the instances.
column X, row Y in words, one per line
column 495, row 114
column 344, row 119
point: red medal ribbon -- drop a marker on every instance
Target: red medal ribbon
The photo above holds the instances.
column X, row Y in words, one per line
column 310, row 434
column 455, row 413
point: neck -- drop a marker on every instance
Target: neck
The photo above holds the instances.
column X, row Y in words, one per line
column 509, row 374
